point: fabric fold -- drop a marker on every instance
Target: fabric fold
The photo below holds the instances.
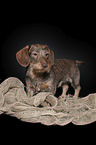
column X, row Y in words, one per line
column 44, row 107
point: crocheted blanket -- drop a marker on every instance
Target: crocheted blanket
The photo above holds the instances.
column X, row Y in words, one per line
column 44, row 107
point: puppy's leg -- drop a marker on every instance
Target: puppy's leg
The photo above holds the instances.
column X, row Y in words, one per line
column 76, row 83
column 76, row 86
column 30, row 91
column 30, row 87
column 65, row 89
column 77, row 91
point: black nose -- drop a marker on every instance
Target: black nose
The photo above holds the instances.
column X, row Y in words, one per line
column 44, row 65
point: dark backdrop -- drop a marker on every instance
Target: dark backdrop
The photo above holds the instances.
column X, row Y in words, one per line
column 75, row 42
column 73, row 39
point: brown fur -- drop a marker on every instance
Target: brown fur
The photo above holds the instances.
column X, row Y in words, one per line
column 46, row 74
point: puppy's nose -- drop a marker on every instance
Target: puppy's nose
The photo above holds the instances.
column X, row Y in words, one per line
column 44, row 65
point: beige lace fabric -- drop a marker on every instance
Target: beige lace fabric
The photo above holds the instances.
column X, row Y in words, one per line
column 44, row 107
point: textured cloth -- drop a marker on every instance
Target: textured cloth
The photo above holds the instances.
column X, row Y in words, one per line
column 44, row 107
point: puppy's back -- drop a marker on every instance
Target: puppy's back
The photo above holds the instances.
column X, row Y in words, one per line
column 64, row 68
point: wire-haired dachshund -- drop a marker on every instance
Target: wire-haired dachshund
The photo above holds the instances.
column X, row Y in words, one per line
column 44, row 74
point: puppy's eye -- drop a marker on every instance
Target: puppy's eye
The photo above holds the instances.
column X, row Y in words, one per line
column 34, row 54
column 47, row 54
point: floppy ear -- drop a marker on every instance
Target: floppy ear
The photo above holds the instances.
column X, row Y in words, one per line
column 22, row 56
column 51, row 57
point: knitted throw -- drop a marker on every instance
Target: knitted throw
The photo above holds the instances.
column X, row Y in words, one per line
column 44, row 107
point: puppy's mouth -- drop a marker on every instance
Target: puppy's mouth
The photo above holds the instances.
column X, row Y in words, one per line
column 43, row 70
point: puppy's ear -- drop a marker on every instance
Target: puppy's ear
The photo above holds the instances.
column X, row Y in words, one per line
column 51, row 57
column 22, row 56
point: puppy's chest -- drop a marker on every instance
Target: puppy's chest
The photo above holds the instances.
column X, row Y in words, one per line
column 46, row 85
column 41, row 81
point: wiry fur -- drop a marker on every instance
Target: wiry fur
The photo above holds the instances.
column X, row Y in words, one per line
column 46, row 74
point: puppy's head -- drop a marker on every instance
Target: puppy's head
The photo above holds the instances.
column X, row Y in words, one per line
column 40, row 57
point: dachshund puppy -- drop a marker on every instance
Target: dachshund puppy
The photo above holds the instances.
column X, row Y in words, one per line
column 39, row 60
column 44, row 74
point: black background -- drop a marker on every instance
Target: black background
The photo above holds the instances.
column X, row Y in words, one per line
column 73, row 38
column 75, row 42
